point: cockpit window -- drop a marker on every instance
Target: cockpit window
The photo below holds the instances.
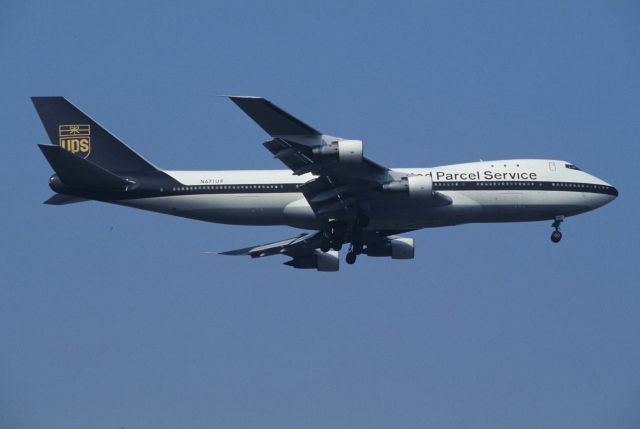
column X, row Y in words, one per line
column 572, row 167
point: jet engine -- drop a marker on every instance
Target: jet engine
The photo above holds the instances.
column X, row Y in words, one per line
column 418, row 187
column 396, row 247
column 321, row 261
column 345, row 151
column 329, row 261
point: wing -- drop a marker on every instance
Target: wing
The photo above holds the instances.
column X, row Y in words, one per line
column 305, row 253
column 294, row 141
column 273, row 119
column 339, row 188
column 302, row 249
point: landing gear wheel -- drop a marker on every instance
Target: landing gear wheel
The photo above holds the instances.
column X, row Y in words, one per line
column 351, row 258
column 556, row 235
column 336, row 245
column 325, row 246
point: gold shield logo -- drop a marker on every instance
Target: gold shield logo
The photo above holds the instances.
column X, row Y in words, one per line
column 76, row 139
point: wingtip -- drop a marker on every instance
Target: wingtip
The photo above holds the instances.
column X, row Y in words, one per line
column 236, row 97
column 237, row 252
column 228, row 253
column 253, row 97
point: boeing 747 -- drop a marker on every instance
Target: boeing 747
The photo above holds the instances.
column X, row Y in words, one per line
column 330, row 188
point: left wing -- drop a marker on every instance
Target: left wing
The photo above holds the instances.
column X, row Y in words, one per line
column 273, row 119
column 302, row 249
column 345, row 178
column 299, row 146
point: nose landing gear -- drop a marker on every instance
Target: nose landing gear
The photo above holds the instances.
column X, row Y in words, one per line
column 351, row 257
column 556, row 235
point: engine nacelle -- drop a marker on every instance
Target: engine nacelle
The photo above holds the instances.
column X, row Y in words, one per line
column 321, row 261
column 396, row 247
column 329, row 261
column 416, row 186
column 345, row 151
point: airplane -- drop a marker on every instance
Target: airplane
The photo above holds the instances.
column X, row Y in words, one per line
column 330, row 188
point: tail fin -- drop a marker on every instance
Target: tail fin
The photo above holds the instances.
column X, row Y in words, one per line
column 72, row 130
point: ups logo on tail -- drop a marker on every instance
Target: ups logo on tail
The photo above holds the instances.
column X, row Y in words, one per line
column 76, row 139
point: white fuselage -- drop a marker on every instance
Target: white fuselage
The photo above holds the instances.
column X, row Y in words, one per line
column 486, row 191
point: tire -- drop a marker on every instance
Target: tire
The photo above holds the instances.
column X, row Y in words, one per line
column 351, row 258
column 556, row 236
column 325, row 246
column 336, row 245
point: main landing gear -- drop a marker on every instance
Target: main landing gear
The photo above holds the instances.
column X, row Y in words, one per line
column 333, row 237
column 556, row 235
column 357, row 242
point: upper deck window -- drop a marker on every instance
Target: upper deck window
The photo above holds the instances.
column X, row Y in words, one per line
column 572, row 167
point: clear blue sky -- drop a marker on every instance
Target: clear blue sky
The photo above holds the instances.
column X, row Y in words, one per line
column 491, row 326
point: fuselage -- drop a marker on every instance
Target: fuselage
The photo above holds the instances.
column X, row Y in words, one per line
column 485, row 191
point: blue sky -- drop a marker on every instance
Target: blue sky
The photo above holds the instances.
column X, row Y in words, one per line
column 490, row 326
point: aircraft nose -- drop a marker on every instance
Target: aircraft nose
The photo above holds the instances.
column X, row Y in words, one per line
column 611, row 193
column 604, row 187
column 604, row 192
column 610, row 190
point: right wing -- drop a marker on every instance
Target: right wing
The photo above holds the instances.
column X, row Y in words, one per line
column 302, row 249
column 305, row 253
column 290, row 246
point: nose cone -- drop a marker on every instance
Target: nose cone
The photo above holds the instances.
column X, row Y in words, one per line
column 614, row 192
column 609, row 190
column 607, row 193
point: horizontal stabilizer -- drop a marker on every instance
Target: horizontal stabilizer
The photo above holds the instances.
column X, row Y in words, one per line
column 75, row 171
column 62, row 199
column 273, row 119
